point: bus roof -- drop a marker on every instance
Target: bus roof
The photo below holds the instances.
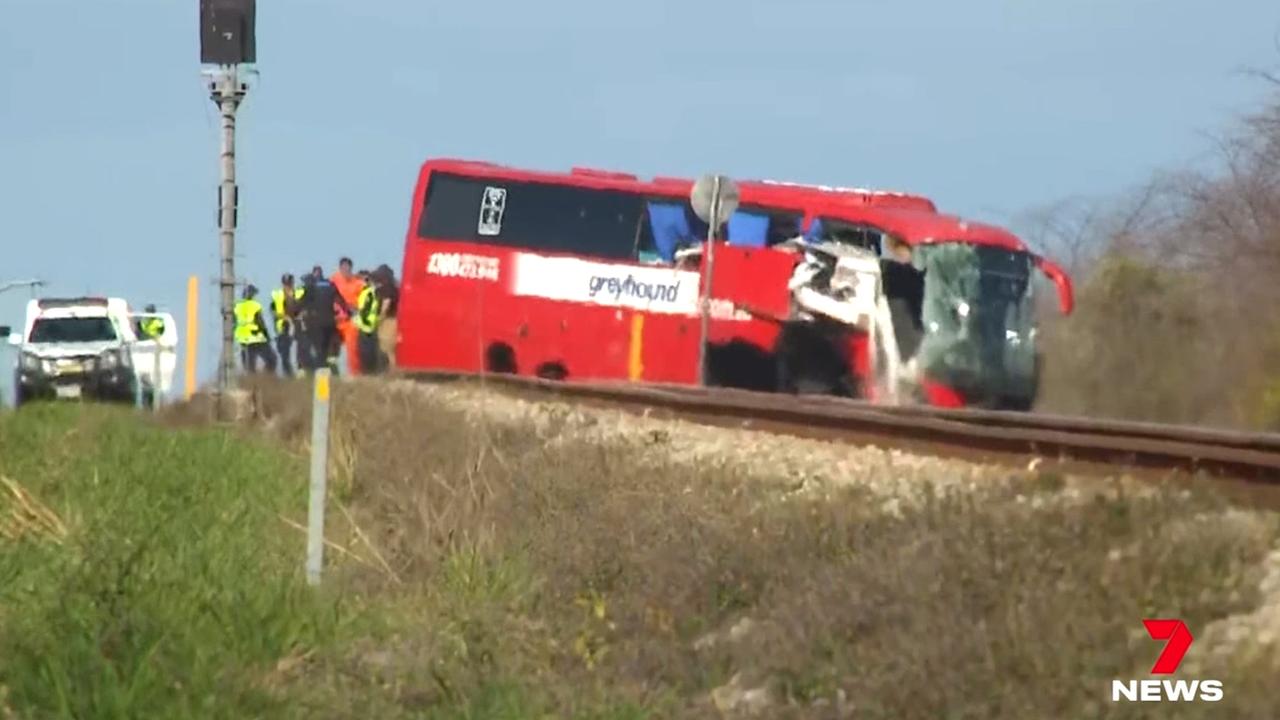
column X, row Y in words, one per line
column 772, row 192
column 913, row 218
column 588, row 177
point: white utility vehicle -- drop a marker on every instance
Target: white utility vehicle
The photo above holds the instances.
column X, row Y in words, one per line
column 95, row 348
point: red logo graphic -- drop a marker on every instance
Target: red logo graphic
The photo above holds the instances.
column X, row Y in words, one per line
column 1179, row 637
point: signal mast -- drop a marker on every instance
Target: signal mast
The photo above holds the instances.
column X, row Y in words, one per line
column 227, row 46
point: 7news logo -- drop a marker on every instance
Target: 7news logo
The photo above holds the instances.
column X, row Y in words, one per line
column 1178, row 639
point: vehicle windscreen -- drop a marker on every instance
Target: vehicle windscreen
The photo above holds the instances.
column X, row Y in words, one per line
column 73, row 330
column 978, row 318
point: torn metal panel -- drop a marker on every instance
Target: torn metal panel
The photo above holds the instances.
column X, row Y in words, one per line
column 843, row 283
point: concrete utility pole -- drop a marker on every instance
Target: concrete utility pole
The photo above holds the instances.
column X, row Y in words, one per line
column 227, row 93
column 227, row 42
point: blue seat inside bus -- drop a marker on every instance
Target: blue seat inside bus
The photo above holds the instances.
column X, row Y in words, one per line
column 674, row 225
column 748, row 229
column 814, row 232
column 670, row 228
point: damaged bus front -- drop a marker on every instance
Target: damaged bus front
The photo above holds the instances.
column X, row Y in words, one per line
column 978, row 343
column 962, row 300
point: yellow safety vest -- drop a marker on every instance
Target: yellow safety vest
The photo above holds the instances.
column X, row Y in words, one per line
column 368, row 307
column 153, row 327
column 277, row 306
column 247, row 330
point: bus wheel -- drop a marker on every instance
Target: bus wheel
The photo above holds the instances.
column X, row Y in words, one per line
column 808, row 362
column 741, row 364
column 500, row 358
column 1017, row 403
column 552, row 371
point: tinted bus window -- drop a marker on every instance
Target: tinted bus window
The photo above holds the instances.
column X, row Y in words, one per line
column 840, row 231
column 533, row 216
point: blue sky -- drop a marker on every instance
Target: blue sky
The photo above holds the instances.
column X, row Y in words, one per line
column 991, row 108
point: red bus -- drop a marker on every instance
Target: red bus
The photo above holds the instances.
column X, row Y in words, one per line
column 594, row 275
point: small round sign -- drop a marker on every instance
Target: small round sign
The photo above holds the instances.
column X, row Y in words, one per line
column 703, row 193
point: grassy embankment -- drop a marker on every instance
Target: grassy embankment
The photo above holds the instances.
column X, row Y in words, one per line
column 495, row 571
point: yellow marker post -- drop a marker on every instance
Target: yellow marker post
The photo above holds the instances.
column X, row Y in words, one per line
column 193, row 294
column 635, row 364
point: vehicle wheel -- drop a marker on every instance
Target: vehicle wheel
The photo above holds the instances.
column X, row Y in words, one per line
column 1016, row 404
column 808, row 363
column 552, row 371
column 500, row 358
column 741, row 364
column 1025, row 402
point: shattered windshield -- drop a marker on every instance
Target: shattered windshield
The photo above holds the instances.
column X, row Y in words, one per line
column 978, row 322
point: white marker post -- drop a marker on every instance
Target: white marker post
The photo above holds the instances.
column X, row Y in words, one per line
column 319, row 468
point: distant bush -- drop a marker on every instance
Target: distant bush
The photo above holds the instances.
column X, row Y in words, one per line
column 1177, row 290
column 1131, row 348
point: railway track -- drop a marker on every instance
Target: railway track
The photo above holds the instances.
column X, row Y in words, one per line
column 995, row 436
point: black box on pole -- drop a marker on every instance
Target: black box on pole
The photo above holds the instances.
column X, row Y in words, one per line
column 226, row 32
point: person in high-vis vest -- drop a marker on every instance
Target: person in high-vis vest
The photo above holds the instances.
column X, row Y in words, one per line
column 251, row 333
column 284, row 309
column 366, row 319
column 152, row 327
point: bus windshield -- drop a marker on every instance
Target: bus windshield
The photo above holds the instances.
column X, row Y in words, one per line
column 978, row 319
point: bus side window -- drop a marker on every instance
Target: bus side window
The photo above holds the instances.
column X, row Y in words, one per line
column 537, row 216
column 762, row 227
column 875, row 241
column 668, row 227
column 838, row 231
column 646, row 244
column 783, row 228
column 697, row 227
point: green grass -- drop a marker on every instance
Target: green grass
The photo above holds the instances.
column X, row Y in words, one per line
column 178, row 591
column 175, row 592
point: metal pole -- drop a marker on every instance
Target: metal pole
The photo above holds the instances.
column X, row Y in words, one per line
column 155, row 378
column 706, row 279
column 138, row 395
column 228, row 93
column 319, row 467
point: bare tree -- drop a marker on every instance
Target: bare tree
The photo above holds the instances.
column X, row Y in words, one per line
column 1179, row 285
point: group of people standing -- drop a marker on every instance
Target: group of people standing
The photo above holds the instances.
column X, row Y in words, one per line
column 351, row 311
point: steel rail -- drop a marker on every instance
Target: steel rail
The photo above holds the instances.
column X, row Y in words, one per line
column 959, row 432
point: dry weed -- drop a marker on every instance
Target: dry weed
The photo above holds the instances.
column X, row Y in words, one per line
column 575, row 551
column 23, row 515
